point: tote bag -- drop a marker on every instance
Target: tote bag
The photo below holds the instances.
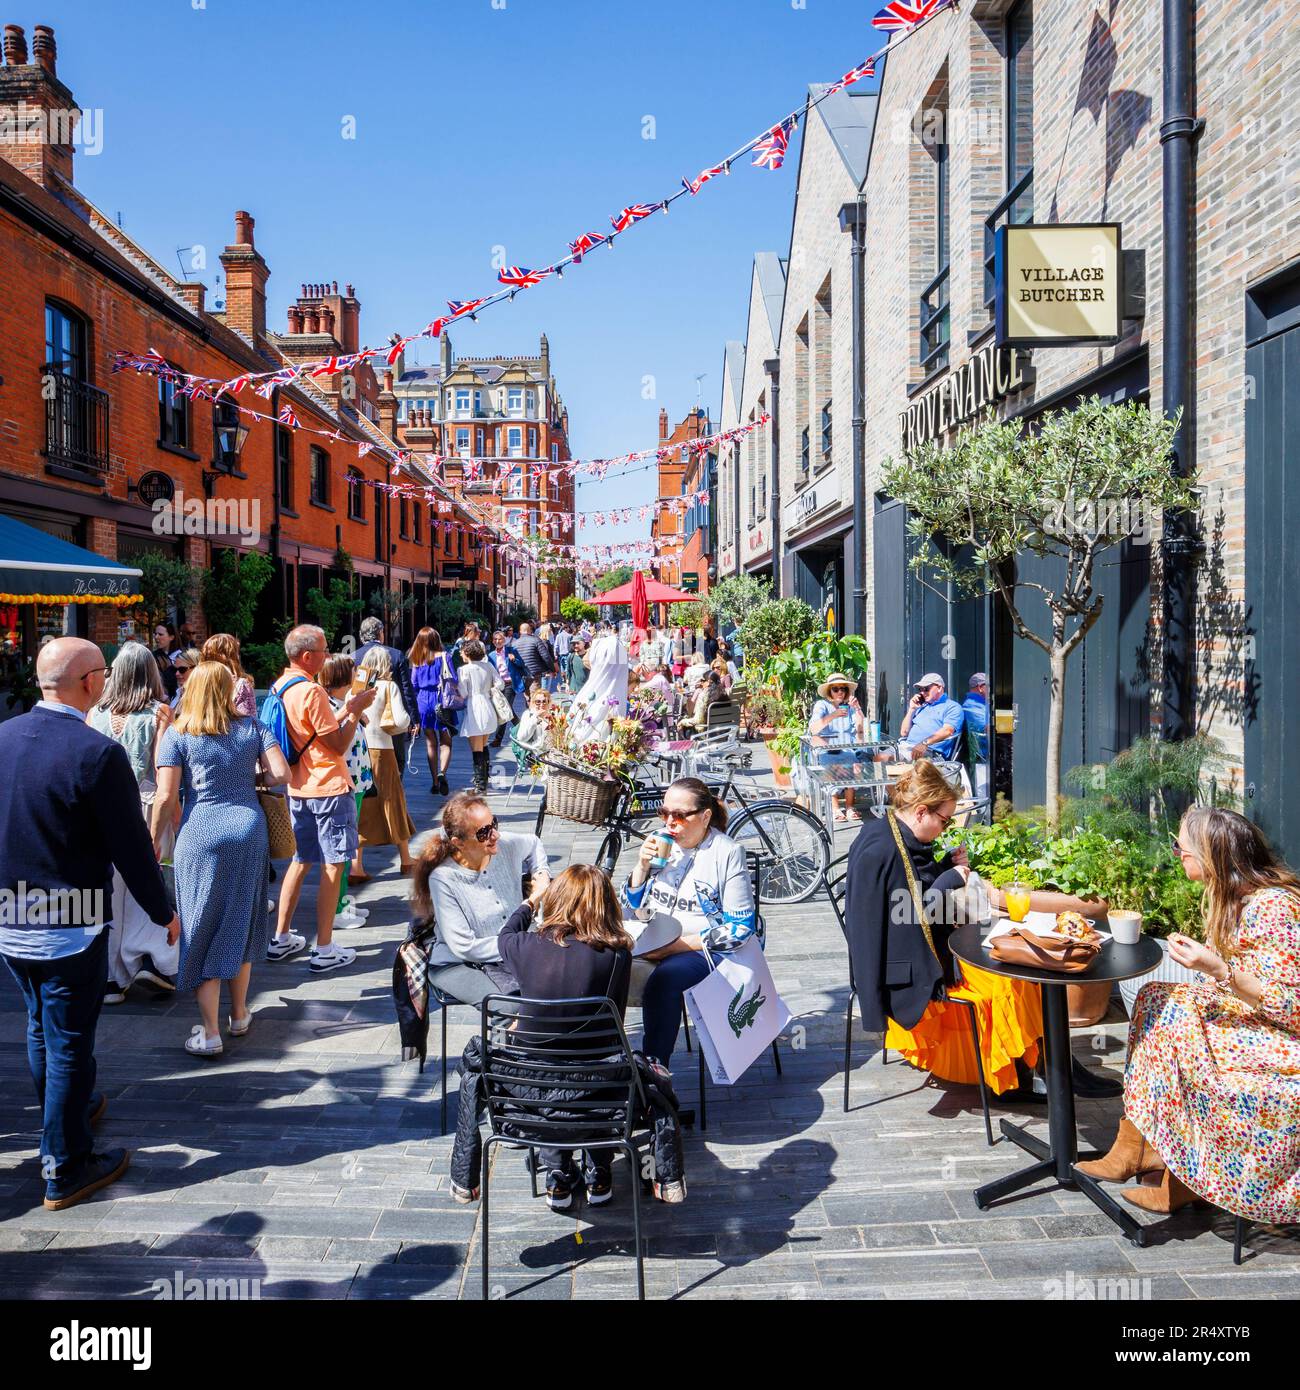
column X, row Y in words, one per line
column 737, row 1012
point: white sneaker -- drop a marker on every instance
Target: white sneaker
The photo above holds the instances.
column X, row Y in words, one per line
column 198, row 1044
column 240, row 1026
column 333, row 959
column 347, row 918
column 289, row 944
column 350, row 905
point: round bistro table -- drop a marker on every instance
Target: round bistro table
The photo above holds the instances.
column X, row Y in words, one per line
column 1057, row 1158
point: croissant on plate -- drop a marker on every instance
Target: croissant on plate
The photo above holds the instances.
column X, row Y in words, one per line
column 1076, row 926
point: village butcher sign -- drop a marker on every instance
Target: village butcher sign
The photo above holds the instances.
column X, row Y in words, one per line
column 1058, row 285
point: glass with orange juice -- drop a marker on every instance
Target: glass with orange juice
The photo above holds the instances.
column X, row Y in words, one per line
column 1017, row 899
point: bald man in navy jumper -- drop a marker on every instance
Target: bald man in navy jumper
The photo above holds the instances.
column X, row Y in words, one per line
column 69, row 816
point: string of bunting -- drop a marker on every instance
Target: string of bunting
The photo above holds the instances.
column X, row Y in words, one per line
column 899, row 19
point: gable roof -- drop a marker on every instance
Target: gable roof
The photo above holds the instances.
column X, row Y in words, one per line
column 850, row 119
column 733, row 373
column 769, row 270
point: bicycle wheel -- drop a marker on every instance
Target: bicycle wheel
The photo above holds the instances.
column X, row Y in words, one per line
column 610, row 848
column 793, row 844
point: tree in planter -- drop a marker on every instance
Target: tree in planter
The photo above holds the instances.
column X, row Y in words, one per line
column 333, row 609
column 776, row 627
column 736, row 597
column 231, row 589
column 1088, row 479
column 578, row 610
column 165, row 583
column 517, row 614
column 448, row 614
column 614, row 578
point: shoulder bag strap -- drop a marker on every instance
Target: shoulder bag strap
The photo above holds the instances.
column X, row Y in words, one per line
column 913, row 886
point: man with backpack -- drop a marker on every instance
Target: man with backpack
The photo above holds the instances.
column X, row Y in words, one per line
column 322, row 804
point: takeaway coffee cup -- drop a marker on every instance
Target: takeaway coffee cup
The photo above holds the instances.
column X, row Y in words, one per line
column 1126, row 927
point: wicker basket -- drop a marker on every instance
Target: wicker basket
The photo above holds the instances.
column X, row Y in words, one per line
column 577, row 795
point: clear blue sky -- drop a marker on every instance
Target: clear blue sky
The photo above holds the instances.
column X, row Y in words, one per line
column 517, row 124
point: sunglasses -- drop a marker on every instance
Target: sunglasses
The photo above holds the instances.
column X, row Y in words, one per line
column 667, row 814
column 485, row 832
column 835, row 688
column 1178, row 849
column 945, row 821
column 183, row 670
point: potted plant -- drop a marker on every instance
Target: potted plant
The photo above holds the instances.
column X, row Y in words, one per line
column 764, row 713
column 783, row 749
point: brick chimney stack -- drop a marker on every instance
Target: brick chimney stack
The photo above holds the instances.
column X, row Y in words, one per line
column 40, row 143
column 387, row 404
column 350, row 322
column 246, row 277
column 663, row 424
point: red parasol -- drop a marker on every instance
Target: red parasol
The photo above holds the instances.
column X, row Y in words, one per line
column 655, row 592
column 640, row 604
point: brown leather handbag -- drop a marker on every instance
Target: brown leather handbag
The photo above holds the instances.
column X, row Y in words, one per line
column 1020, row 946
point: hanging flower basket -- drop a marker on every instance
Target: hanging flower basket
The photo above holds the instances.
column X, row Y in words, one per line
column 574, row 793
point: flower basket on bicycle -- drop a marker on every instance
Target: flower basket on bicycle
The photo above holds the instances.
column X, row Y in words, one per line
column 577, row 794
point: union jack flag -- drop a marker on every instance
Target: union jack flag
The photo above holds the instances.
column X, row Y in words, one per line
column 867, row 69
column 284, row 376
column 631, row 214
column 460, row 307
column 771, row 150
column 396, row 351
column 287, row 417
column 899, row 15
column 434, row 327
column 693, row 186
column 328, row 367
column 588, row 241
column 363, row 448
column 518, row 276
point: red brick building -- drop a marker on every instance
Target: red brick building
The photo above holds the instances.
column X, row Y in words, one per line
column 668, row 527
column 76, row 438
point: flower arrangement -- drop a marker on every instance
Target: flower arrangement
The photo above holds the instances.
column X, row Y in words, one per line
column 612, row 753
column 649, row 707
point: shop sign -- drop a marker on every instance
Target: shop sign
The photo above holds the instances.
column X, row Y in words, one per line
column 992, row 375
column 805, row 504
column 155, row 486
column 1058, row 285
column 756, row 541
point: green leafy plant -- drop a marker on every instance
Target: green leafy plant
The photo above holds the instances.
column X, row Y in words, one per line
column 448, row 614
column 1078, row 484
column 231, row 589
column 333, row 609
column 786, row 742
column 578, row 610
column 763, row 709
column 165, row 583
column 265, row 660
column 733, row 599
column 519, row 613
column 798, row 672
column 690, row 615
column 614, row 578
column 776, row 627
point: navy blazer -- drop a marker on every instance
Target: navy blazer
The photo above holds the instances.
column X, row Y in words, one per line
column 70, row 814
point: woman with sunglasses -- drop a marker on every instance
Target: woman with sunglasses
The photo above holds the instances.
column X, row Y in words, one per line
column 837, row 721
column 1211, row 1095
column 468, row 880
column 703, row 892
column 898, row 914
column 185, row 662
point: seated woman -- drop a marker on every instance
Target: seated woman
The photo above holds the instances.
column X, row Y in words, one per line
column 705, row 891
column 532, row 734
column 468, row 880
column 695, row 672
column 580, row 951
column 1212, row 1085
column 724, row 673
column 709, row 694
column 898, row 928
column 837, row 721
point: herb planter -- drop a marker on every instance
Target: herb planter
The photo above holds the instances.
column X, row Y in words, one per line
column 778, row 762
column 1168, row 970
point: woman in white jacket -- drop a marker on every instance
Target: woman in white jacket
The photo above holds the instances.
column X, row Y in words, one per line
column 476, row 678
column 384, row 817
column 704, row 890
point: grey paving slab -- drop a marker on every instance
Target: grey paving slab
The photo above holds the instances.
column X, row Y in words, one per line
column 307, row 1157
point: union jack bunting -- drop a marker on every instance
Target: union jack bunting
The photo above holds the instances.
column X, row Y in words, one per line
column 396, row 351
column 287, row 417
column 516, row 275
column 631, row 214
column 694, row 185
column 460, row 307
column 588, row 241
column 899, row 15
column 771, row 150
column 284, row 376
column 363, row 448
column 867, row 69
column 328, row 367
column 434, row 327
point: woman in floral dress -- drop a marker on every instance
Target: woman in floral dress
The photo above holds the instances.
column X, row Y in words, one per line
column 1212, row 1086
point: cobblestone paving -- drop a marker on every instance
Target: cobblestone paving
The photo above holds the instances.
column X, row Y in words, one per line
column 308, row 1159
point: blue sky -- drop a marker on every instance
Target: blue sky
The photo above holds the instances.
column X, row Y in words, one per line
column 479, row 124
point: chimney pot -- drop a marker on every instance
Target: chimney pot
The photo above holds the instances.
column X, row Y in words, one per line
column 295, row 319
column 304, row 291
column 352, row 294
column 44, row 50
column 313, row 320
column 243, row 229
column 15, row 45
column 336, row 287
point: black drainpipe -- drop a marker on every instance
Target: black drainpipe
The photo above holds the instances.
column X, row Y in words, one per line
column 1180, row 547
column 853, row 218
column 773, row 369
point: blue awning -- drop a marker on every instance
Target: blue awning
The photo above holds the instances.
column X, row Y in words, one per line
column 36, row 567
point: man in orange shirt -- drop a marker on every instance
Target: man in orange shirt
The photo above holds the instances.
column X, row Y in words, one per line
column 322, row 803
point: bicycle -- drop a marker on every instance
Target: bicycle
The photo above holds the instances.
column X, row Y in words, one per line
column 792, row 844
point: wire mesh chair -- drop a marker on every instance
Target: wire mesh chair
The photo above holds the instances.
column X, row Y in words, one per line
column 533, row 1048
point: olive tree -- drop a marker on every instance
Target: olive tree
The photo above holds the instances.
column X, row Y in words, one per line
column 1079, row 484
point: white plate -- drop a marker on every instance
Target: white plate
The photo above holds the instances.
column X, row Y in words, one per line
column 1043, row 923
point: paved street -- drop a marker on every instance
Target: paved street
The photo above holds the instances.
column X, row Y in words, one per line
column 307, row 1159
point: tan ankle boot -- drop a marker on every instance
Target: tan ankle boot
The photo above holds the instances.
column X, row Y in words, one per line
column 1129, row 1155
column 1166, row 1196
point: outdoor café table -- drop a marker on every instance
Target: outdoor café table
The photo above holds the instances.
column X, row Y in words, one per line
column 1057, row 1158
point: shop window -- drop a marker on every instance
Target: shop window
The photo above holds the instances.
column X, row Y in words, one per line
column 76, row 413
column 320, row 477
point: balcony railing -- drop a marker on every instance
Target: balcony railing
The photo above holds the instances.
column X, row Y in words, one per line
column 936, row 326
column 76, row 422
column 1016, row 207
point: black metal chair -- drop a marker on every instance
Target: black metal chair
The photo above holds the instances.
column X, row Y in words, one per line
column 529, row 1051
column 1240, row 1232
column 836, row 888
column 446, row 1001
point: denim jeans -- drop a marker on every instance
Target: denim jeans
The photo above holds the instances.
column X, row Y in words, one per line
column 661, row 1001
column 63, row 999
